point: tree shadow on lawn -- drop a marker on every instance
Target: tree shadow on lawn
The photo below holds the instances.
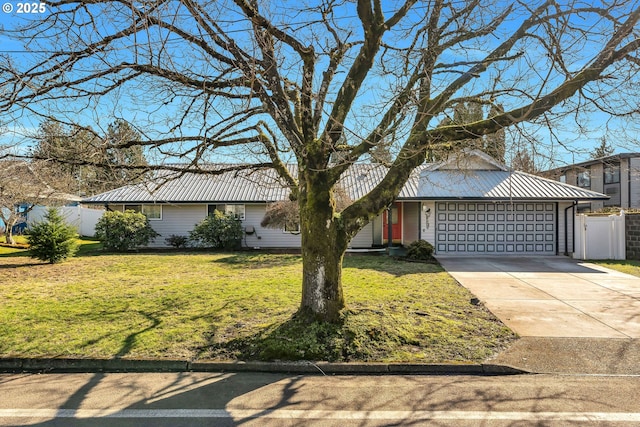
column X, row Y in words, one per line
column 356, row 337
column 85, row 248
column 252, row 260
column 381, row 263
column 21, row 264
column 297, row 338
column 396, row 266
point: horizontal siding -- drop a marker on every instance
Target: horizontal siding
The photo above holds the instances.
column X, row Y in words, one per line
column 180, row 220
column 176, row 219
column 410, row 213
column 266, row 237
column 428, row 222
column 364, row 238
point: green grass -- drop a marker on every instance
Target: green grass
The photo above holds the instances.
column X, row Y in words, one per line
column 628, row 266
column 86, row 247
column 237, row 306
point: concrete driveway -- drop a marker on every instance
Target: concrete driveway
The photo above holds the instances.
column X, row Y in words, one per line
column 552, row 296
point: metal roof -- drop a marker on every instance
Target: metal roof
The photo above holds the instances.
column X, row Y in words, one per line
column 600, row 160
column 425, row 183
column 171, row 187
column 497, row 185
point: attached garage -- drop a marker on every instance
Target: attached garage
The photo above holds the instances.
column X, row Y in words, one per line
column 496, row 227
column 474, row 205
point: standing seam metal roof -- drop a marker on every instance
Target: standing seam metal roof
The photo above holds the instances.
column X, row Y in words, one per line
column 248, row 186
column 497, row 185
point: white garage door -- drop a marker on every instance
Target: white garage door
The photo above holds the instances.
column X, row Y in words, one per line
column 495, row 228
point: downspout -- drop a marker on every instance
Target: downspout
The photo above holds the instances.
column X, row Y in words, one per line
column 566, row 230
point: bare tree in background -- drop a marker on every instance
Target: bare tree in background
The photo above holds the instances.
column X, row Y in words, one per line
column 24, row 185
column 278, row 82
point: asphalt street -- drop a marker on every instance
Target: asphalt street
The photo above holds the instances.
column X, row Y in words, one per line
column 255, row 399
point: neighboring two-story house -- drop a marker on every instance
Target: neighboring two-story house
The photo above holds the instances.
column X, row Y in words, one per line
column 617, row 176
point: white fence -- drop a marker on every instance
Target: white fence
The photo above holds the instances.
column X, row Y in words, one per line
column 83, row 219
column 600, row 237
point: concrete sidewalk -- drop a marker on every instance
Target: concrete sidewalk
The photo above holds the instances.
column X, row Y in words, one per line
column 573, row 317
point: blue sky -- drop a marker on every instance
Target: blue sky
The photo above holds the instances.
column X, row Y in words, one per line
column 579, row 140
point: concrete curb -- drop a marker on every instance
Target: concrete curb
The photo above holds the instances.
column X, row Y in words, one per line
column 70, row 365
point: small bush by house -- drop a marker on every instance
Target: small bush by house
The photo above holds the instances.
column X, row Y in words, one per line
column 420, row 250
column 177, row 241
column 218, row 231
column 123, row 231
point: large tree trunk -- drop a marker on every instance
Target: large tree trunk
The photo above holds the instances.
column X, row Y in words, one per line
column 324, row 243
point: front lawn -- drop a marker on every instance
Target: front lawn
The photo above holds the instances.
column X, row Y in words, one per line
column 236, row 306
column 624, row 266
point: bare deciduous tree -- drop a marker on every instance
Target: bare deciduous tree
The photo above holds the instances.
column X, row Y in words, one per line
column 22, row 184
column 275, row 82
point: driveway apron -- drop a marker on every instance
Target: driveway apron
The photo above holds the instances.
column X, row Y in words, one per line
column 552, row 296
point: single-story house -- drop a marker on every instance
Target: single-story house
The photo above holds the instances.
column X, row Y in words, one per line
column 469, row 204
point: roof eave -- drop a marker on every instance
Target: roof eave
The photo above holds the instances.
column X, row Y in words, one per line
column 508, row 199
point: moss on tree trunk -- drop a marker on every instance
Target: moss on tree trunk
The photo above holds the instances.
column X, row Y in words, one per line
column 324, row 243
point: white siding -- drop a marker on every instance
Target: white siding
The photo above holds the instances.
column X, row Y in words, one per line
column 570, row 215
column 266, row 237
column 176, row 219
column 377, row 230
column 180, row 220
column 428, row 220
column 410, row 222
column 364, row 238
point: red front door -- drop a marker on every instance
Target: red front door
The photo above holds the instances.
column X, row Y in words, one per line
column 396, row 223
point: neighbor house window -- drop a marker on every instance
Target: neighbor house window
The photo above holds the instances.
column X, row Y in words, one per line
column 152, row 212
column 563, row 178
column 612, row 174
column 584, row 179
column 237, row 211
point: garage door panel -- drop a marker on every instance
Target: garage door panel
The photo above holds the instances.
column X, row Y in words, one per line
column 486, row 228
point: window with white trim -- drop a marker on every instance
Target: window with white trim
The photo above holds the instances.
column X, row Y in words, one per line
column 292, row 227
column 152, row 212
column 236, row 210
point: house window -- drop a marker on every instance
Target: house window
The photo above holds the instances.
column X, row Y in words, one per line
column 584, row 179
column 152, row 212
column 563, row 178
column 612, row 174
column 236, row 210
column 292, row 227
